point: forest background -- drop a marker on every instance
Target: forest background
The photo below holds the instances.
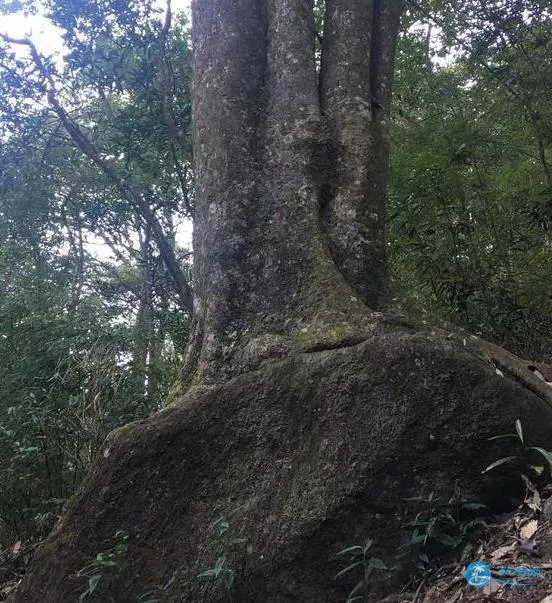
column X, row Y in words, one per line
column 96, row 180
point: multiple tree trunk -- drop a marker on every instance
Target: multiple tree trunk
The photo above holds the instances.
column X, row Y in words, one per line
column 291, row 158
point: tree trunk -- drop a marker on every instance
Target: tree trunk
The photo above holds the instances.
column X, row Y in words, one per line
column 290, row 168
column 144, row 325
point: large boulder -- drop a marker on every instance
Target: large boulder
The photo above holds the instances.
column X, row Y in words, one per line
column 274, row 472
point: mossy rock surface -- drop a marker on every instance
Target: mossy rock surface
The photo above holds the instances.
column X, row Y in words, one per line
column 299, row 460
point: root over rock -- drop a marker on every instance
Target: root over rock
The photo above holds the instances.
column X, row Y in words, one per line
column 291, row 463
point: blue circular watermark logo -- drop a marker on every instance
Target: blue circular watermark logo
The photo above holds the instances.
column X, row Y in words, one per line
column 478, row 574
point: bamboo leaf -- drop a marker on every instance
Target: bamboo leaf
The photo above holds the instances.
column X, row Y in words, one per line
column 347, row 569
column 501, row 461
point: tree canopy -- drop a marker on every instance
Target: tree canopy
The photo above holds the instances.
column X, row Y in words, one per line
column 95, row 181
column 470, row 181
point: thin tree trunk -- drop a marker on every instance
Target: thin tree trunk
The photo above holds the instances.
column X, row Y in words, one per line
column 144, row 318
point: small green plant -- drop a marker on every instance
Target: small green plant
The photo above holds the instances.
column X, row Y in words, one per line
column 103, row 564
column 526, row 454
column 221, row 572
column 363, row 565
column 444, row 526
column 228, row 541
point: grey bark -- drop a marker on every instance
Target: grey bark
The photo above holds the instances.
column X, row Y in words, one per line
column 144, row 324
column 358, row 51
column 290, row 171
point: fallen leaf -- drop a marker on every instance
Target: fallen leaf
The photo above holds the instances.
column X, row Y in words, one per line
column 547, row 599
column 528, row 530
column 532, row 496
column 502, row 551
column 16, row 547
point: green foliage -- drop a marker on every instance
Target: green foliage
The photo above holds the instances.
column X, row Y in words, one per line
column 69, row 370
column 525, row 458
column 91, row 324
column 361, row 564
column 470, row 184
column 442, row 528
column 221, row 572
column 227, row 543
column 103, row 566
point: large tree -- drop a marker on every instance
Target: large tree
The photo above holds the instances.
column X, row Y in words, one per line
column 246, row 488
column 291, row 158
